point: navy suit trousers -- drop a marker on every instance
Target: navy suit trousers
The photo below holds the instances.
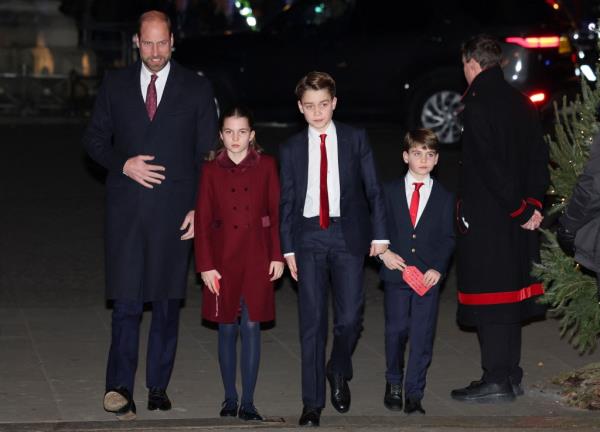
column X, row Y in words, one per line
column 322, row 256
column 409, row 316
column 162, row 343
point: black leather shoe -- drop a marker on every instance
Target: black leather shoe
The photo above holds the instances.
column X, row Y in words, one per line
column 249, row 412
column 310, row 417
column 229, row 408
column 413, row 406
column 116, row 399
column 393, row 397
column 340, row 392
column 158, row 399
column 480, row 391
column 517, row 388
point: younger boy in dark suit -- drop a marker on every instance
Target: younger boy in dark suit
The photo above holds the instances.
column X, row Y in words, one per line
column 420, row 225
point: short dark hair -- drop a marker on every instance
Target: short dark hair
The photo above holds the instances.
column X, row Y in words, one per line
column 153, row 15
column 421, row 138
column 315, row 80
column 484, row 49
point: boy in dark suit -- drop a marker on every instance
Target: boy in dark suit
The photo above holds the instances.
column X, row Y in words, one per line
column 332, row 215
column 420, row 225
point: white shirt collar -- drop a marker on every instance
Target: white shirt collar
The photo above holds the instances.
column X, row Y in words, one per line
column 315, row 135
column 146, row 73
column 409, row 180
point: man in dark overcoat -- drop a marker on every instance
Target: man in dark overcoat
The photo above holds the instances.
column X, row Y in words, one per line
column 151, row 125
column 504, row 177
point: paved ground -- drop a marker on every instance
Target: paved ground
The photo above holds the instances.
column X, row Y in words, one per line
column 54, row 326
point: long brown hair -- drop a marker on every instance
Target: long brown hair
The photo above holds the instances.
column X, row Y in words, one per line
column 238, row 111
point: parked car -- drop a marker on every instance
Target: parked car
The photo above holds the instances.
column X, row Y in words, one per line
column 396, row 61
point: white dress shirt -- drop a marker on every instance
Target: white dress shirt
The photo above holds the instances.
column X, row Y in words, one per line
column 424, row 192
column 313, row 188
column 161, row 80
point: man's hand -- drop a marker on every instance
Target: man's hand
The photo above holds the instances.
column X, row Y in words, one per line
column 208, row 277
column 145, row 174
column 392, row 260
column 431, row 277
column 188, row 223
column 291, row 262
column 534, row 221
column 377, row 248
column 276, row 270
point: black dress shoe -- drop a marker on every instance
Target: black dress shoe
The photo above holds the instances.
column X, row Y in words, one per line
column 249, row 412
column 310, row 417
column 393, row 397
column 158, row 399
column 480, row 391
column 229, row 408
column 517, row 388
column 413, row 406
column 340, row 392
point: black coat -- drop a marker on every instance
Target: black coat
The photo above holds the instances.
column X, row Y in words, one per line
column 504, row 177
column 145, row 258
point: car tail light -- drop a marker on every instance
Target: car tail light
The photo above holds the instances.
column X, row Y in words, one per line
column 537, row 97
column 535, row 41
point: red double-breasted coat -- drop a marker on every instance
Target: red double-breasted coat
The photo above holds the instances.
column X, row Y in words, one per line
column 237, row 233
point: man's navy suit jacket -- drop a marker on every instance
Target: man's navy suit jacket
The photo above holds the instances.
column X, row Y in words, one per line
column 361, row 200
column 430, row 244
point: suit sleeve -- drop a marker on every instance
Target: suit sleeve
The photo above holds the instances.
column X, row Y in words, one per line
column 584, row 204
column 274, row 192
column 538, row 175
column 492, row 168
column 97, row 138
column 372, row 188
column 287, row 199
column 447, row 238
column 203, row 219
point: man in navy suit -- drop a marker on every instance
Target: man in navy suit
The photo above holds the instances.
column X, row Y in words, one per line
column 152, row 123
column 421, row 227
column 332, row 214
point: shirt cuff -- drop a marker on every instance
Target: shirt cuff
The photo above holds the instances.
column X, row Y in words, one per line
column 285, row 255
column 380, row 242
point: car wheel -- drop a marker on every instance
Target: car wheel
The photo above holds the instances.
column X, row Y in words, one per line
column 437, row 106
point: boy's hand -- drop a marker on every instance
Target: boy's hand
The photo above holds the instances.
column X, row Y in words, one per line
column 431, row 277
column 208, row 277
column 392, row 260
column 275, row 270
column 291, row 262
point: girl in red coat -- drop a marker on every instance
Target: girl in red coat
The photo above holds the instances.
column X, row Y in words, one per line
column 237, row 251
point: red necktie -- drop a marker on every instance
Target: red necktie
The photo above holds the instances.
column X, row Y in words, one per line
column 151, row 98
column 323, row 196
column 414, row 203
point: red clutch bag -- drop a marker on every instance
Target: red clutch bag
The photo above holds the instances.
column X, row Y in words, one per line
column 414, row 278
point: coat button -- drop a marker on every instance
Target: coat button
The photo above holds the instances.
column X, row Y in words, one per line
column 232, row 170
column 247, row 208
column 414, row 236
column 232, row 189
column 413, row 250
column 234, row 207
column 235, row 227
column 245, row 189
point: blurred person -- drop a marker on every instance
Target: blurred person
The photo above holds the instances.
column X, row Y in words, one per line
column 238, row 254
column 420, row 217
column 504, row 177
column 151, row 125
column 332, row 215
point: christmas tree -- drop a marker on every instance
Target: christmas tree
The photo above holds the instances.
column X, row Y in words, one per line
column 571, row 291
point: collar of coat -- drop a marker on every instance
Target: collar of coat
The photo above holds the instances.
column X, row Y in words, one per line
column 250, row 160
column 485, row 79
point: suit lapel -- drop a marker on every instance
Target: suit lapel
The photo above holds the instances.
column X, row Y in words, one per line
column 171, row 92
column 431, row 204
column 302, row 159
column 343, row 154
column 137, row 96
column 400, row 206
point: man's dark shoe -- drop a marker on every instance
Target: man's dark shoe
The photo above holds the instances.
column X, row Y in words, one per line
column 249, row 412
column 393, row 397
column 413, row 406
column 517, row 388
column 310, row 417
column 480, row 391
column 340, row 392
column 116, row 399
column 229, row 408
column 158, row 399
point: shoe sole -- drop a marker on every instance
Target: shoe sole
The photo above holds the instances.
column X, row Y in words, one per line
column 392, row 407
column 128, row 416
column 490, row 398
column 152, row 407
column 114, row 401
